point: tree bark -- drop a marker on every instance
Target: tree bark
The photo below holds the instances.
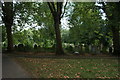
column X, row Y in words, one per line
column 9, row 38
column 115, row 29
column 7, row 18
column 116, row 40
column 59, row 49
column 56, row 13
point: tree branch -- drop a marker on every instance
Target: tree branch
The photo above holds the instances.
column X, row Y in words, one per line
column 59, row 8
column 64, row 9
column 53, row 5
column 51, row 9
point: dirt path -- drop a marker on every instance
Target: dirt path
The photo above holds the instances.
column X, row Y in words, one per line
column 10, row 69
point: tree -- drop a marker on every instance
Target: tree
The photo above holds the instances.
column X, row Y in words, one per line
column 88, row 27
column 112, row 12
column 56, row 11
column 7, row 18
column 84, row 21
column 39, row 21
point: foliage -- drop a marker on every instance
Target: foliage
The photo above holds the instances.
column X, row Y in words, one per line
column 33, row 24
column 87, row 26
column 29, row 14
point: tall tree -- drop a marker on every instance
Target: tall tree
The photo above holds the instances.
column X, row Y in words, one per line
column 56, row 11
column 112, row 12
column 7, row 18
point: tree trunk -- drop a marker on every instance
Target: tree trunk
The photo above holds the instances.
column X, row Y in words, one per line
column 116, row 42
column 7, row 18
column 9, row 38
column 56, row 13
column 59, row 49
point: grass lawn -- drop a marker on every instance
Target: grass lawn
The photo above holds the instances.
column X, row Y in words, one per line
column 70, row 68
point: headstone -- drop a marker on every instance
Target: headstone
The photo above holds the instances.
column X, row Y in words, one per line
column 90, row 48
column 20, row 47
column 86, row 48
column 93, row 49
column 76, row 53
column 15, row 47
column 110, row 50
column 70, row 49
column 98, row 50
column 53, row 47
column 35, row 46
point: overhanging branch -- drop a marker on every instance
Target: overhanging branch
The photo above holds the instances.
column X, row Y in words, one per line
column 64, row 9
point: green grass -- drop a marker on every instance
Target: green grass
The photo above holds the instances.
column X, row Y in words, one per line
column 71, row 68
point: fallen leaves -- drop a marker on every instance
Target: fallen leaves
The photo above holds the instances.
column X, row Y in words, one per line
column 104, row 77
column 69, row 65
column 78, row 62
column 94, row 67
column 81, row 68
column 77, row 74
column 70, row 68
column 99, row 71
column 88, row 70
column 77, row 77
column 66, row 76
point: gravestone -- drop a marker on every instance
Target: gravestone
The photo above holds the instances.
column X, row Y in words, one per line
column 70, row 49
column 35, row 46
column 110, row 50
column 28, row 48
column 15, row 47
column 93, row 49
column 80, row 48
column 98, row 50
column 86, row 48
column 90, row 48
column 76, row 53
column 20, row 47
column 53, row 46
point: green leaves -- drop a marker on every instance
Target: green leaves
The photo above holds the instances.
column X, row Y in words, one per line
column 87, row 26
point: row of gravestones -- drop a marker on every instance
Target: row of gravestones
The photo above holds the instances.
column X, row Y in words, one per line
column 22, row 47
column 89, row 49
column 80, row 49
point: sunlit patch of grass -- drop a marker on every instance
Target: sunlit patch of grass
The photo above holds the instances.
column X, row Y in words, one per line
column 71, row 68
